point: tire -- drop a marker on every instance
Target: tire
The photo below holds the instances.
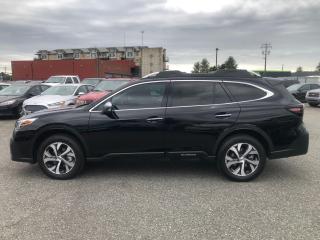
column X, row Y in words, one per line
column 239, row 168
column 60, row 157
column 313, row 104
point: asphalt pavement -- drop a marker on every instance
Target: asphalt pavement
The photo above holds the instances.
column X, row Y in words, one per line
column 149, row 199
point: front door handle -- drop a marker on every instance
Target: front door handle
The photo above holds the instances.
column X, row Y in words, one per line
column 223, row 115
column 154, row 119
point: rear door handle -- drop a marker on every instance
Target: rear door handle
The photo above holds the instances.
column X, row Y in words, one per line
column 223, row 115
column 154, row 119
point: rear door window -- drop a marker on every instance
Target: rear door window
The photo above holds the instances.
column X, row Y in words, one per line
column 188, row 93
column 244, row 92
column 75, row 80
column 69, row 80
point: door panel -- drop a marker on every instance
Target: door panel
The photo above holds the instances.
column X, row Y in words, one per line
column 196, row 127
column 137, row 124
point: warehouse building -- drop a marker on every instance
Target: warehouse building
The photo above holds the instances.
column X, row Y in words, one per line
column 147, row 59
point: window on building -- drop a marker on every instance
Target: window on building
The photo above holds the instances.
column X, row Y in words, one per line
column 44, row 56
column 93, row 54
column 129, row 55
column 76, row 55
column 60, row 55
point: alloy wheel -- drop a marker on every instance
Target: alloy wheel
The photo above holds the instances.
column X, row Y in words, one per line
column 242, row 159
column 59, row 158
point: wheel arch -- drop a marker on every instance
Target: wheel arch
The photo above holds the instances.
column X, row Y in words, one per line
column 55, row 130
column 249, row 130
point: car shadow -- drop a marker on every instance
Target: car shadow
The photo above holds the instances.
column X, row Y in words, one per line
column 274, row 171
column 150, row 167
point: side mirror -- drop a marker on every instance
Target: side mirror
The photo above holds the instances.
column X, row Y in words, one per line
column 108, row 109
column 81, row 93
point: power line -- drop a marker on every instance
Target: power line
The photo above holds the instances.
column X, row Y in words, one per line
column 266, row 50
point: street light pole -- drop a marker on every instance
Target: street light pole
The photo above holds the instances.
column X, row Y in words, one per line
column 217, row 49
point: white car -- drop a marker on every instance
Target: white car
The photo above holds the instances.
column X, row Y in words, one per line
column 56, row 97
column 62, row 79
column 3, row 85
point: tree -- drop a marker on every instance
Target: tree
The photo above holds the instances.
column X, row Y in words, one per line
column 204, row 66
column 229, row 64
column 318, row 67
column 213, row 68
column 299, row 69
column 196, row 67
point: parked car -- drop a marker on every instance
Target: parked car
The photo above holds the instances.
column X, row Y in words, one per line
column 300, row 90
column 101, row 90
column 239, row 122
column 4, row 85
column 313, row 97
column 62, row 79
column 12, row 97
column 92, row 81
column 56, row 97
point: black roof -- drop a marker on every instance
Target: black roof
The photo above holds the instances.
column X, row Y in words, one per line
column 215, row 74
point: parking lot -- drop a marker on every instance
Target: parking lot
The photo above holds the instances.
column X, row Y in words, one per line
column 145, row 199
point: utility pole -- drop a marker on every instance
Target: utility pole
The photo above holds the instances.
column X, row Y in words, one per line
column 142, row 32
column 141, row 55
column 282, row 68
column 266, row 49
column 217, row 49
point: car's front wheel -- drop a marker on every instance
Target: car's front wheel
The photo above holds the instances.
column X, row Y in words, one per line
column 60, row 157
column 241, row 158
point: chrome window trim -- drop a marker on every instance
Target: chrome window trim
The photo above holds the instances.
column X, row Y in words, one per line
column 268, row 94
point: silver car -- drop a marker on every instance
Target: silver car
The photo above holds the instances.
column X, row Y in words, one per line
column 56, row 97
column 313, row 97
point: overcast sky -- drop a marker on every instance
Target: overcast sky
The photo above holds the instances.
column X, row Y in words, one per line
column 188, row 29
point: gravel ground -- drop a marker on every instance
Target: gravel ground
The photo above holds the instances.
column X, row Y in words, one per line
column 131, row 199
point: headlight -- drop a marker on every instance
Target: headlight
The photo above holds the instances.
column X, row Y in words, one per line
column 24, row 122
column 7, row 103
column 57, row 104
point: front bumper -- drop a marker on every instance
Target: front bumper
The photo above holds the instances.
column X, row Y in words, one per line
column 9, row 111
column 21, row 147
column 298, row 147
column 313, row 100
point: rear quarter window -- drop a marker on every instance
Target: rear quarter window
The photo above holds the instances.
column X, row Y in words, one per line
column 244, row 92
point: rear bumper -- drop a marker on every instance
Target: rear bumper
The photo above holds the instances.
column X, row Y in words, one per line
column 298, row 147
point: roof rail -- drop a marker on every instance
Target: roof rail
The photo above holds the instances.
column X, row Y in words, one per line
column 218, row 73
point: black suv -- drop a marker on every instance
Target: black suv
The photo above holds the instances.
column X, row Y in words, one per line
column 236, row 119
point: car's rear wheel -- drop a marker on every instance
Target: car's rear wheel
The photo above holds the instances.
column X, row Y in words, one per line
column 60, row 157
column 313, row 104
column 241, row 158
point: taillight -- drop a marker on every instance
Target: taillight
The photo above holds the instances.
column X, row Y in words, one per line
column 297, row 109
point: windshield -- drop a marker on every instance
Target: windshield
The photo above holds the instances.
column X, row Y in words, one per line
column 60, row 90
column 294, row 87
column 109, row 85
column 55, row 80
column 14, row 90
column 92, row 81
